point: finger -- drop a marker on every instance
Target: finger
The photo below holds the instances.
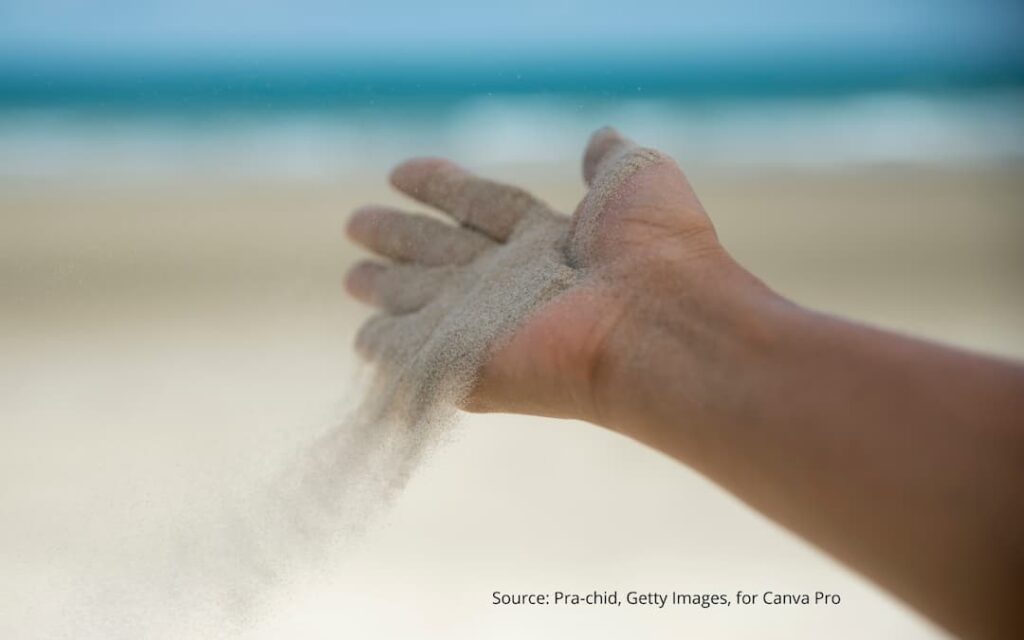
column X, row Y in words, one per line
column 397, row 289
column 615, row 168
column 490, row 207
column 408, row 237
column 605, row 147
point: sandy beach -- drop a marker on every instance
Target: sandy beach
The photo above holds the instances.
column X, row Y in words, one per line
column 165, row 342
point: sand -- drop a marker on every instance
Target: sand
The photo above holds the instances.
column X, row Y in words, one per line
column 456, row 293
column 170, row 346
column 442, row 314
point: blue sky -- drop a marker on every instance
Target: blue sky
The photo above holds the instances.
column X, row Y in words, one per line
column 211, row 27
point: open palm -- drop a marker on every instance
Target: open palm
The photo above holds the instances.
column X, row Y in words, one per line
column 553, row 290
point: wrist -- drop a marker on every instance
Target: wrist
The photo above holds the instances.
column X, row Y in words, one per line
column 677, row 357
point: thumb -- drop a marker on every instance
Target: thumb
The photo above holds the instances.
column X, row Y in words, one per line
column 604, row 147
column 623, row 176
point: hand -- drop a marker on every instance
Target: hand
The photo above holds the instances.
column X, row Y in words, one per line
column 900, row 457
column 638, row 241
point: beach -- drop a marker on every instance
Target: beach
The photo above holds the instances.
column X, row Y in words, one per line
column 169, row 339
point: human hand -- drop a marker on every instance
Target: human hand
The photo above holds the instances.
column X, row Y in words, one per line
column 566, row 297
column 631, row 315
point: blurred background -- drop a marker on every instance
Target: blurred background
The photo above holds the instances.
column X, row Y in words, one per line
column 174, row 181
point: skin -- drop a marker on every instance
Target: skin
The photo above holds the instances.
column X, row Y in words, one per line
column 902, row 458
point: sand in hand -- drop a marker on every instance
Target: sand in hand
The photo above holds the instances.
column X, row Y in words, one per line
column 458, row 291
column 451, row 295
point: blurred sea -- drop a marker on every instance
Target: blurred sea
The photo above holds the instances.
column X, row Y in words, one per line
column 316, row 118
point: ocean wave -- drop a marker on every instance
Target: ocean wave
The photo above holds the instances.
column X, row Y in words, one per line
column 538, row 130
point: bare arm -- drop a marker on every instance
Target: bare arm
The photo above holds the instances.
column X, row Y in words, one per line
column 902, row 458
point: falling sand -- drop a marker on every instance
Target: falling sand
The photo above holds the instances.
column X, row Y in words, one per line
column 455, row 294
column 450, row 295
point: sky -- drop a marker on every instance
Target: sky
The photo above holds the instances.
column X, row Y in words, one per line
column 311, row 27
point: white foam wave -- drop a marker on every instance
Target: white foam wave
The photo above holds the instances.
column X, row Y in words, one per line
column 869, row 129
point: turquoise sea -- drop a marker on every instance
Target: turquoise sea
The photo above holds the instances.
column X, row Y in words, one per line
column 294, row 116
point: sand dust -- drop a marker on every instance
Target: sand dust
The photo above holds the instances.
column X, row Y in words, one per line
column 447, row 295
column 453, row 293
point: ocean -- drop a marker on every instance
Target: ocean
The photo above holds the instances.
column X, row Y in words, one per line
column 296, row 118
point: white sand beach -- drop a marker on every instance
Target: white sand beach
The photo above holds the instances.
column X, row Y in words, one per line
column 166, row 342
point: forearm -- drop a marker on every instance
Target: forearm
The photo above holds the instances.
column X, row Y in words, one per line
column 902, row 458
